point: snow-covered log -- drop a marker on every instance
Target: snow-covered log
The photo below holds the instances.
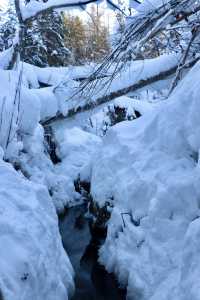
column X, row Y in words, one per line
column 138, row 75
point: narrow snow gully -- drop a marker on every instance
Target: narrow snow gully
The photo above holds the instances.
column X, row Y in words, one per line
column 82, row 238
column 92, row 281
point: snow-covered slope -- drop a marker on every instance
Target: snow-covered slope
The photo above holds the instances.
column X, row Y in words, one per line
column 150, row 167
column 33, row 264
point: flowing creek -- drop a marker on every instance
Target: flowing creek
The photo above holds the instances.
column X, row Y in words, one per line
column 92, row 281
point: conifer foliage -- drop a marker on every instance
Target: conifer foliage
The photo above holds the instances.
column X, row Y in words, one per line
column 44, row 41
column 87, row 40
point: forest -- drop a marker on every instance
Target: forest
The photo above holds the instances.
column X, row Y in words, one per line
column 99, row 149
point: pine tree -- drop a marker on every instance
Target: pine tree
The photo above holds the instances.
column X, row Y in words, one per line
column 8, row 26
column 44, row 41
column 97, row 35
column 75, row 37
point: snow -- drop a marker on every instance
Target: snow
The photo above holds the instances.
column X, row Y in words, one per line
column 31, row 251
column 99, row 122
column 20, row 111
column 5, row 58
column 76, row 150
column 33, row 7
column 150, row 167
column 133, row 105
column 22, row 137
column 48, row 102
column 72, row 72
column 38, row 167
column 70, row 99
column 134, row 3
column 62, row 95
column 147, row 5
column 33, row 264
column 138, row 70
column 147, row 168
column 55, row 75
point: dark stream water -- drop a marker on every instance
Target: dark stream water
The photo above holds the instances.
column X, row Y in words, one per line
column 92, row 281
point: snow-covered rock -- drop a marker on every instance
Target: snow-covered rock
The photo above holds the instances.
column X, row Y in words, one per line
column 118, row 110
column 150, row 167
column 76, row 150
column 33, row 264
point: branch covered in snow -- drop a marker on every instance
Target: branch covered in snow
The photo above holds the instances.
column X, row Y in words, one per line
column 142, row 28
column 33, row 8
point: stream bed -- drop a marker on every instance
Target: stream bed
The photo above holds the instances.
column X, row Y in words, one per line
column 92, row 281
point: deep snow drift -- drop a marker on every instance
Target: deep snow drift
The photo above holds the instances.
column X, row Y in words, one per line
column 150, row 167
column 33, row 264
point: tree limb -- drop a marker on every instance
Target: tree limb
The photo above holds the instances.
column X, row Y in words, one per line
column 30, row 11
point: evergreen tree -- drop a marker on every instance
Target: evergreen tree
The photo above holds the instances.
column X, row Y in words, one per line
column 97, row 35
column 8, row 25
column 75, row 37
column 44, row 41
column 88, row 41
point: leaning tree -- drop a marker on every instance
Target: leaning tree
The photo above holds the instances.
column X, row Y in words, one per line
column 175, row 24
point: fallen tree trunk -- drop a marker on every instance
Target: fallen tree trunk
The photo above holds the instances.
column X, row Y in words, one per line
column 140, row 84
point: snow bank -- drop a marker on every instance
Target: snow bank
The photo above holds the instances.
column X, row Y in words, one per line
column 33, row 264
column 22, row 106
column 21, row 136
column 150, row 167
column 53, row 75
column 5, row 58
column 19, row 112
column 76, row 150
column 49, row 106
